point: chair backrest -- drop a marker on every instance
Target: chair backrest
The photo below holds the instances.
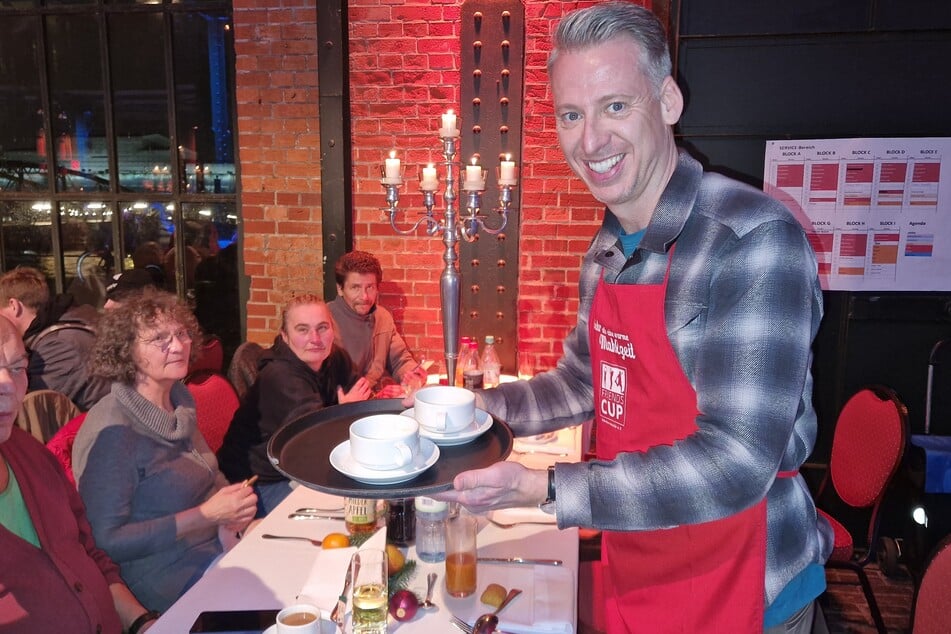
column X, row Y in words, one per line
column 868, row 445
column 61, row 444
column 244, row 366
column 43, row 412
column 931, row 602
column 212, row 356
column 215, row 405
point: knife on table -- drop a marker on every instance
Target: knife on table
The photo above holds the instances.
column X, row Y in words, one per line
column 520, row 560
column 341, row 608
column 313, row 516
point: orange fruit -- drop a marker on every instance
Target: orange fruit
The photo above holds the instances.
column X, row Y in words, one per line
column 336, row 540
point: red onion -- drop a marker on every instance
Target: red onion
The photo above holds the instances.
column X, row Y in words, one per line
column 403, row 605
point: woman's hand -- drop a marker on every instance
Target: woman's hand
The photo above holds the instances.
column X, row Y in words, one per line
column 359, row 392
column 233, row 505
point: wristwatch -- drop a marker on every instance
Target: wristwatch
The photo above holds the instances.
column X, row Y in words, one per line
column 144, row 618
column 548, row 505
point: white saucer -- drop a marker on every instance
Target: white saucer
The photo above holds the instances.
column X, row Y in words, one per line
column 343, row 462
column 481, row 424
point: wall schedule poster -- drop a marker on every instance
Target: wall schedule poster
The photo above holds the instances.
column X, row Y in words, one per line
column 877, row 211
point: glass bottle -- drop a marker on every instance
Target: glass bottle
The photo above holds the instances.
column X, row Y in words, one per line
column 472, row 377
column 401, row 522
column 491, row 366
column 359, row 515
column 431, row 529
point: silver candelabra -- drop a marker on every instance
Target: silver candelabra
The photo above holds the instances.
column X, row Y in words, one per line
column 452, row 227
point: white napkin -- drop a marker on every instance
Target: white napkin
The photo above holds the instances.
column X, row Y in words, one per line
column 325, row 580
column 519, row 514
column 542, row 607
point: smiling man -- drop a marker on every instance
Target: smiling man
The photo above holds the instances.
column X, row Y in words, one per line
column 303, row 370
column 699, row 302
column 366, row 330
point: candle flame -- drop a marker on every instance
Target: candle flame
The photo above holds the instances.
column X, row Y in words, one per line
column 475, row 160
column 392, row 153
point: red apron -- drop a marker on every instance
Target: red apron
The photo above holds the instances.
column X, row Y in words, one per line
column 694, row 578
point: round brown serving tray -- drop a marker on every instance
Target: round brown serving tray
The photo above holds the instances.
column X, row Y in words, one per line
column 301, row 451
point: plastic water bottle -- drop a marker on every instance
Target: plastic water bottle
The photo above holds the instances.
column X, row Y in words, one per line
column 431, row 529
column 461, row 359
column 491, row 366
column 472, row 377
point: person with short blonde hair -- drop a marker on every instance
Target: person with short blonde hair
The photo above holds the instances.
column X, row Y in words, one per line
column 304, row 371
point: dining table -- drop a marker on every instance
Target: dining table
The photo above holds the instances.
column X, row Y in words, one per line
column 262, row 574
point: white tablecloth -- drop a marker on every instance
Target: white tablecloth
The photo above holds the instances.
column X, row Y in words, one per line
column 268, row 574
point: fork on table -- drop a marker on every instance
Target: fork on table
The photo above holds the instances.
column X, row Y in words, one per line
column 465, row 627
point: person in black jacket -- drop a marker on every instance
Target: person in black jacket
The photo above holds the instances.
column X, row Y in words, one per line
column 303, row 371
column 58, row 333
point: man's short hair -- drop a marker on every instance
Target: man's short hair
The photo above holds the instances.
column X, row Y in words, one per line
column 26, row 284
column 357, row 262
column 591, row 26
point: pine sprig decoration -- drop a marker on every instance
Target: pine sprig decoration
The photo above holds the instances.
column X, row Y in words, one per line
column 403, row 578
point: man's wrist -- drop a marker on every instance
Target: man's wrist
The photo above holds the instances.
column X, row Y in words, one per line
column 140, row 622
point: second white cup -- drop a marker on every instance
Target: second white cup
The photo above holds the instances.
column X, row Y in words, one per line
column 384, row 441
column 444, row 409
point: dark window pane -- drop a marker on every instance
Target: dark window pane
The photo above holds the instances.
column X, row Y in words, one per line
column 86, row 230
column 203, row 54
column 77, row 103
column 211, row 231
column 26, row 235
column 147, row 228
column 140, row 107
column 22, row 136
column 18, row 4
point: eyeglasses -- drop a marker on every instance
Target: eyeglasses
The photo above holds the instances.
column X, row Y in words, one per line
column 163, row 340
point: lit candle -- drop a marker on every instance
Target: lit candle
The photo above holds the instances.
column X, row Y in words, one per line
column 507, row 170
column 392, row 170
column 448, row 124
column 428, row 182
column 473, row 175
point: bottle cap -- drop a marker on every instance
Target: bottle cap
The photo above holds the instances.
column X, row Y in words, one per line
column 490, row 339
column 429, row 505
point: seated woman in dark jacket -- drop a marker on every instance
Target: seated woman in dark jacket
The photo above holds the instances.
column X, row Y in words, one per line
column 303, row 370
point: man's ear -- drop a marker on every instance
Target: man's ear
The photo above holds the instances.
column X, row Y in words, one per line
column 671, row 101
column 16, row 307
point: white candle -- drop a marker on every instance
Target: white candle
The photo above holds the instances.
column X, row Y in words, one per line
column 448, row 124
column 507, row 170
column 429, row 182
column 473, row 176
column 392, row 166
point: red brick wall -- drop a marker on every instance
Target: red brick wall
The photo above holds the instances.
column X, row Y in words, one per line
column 404, row 67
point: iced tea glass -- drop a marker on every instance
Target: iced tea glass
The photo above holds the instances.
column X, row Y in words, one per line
column 461, row 554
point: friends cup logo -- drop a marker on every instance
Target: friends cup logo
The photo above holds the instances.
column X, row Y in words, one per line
column 611, row 394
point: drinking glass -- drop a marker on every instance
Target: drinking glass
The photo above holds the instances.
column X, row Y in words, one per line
column 461, row 554
column 368, row 571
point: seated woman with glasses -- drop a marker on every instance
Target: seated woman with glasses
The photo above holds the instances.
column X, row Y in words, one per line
column 302, row 372
column 153, row 492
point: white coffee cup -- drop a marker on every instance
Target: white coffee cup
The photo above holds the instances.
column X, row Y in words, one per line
column 384, row 441
column 302, row 618
column 444, row 409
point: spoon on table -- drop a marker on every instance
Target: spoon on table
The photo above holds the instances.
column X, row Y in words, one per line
column 315, row 542
column 427, row 603
column 487, row 623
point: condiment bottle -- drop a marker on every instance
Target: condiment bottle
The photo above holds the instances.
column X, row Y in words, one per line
column 359, row 515
column 401, row 522
column 472, row 370
column 431, row 529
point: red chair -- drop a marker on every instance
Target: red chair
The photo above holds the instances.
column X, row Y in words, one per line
column 61, row 444
column 215, row 405
column 867, row 448
column 212, row 356
column 930, row 614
